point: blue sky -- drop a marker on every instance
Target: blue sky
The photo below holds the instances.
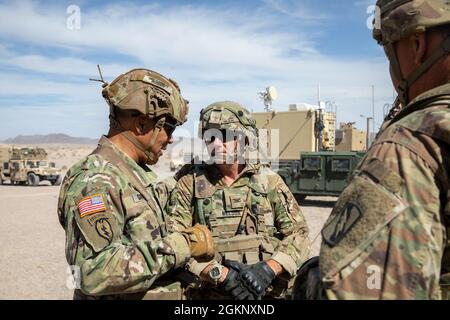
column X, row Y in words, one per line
column 227, row 50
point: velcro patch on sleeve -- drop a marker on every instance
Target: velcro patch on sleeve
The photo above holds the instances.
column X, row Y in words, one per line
column 92, row 204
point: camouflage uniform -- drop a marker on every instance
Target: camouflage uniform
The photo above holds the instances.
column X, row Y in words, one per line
column 387, row 237
column 121, row 249
column 254, row 219
column 111, row 209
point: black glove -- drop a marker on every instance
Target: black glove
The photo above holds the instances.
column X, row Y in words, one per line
column 232, row 283
column 257, row 278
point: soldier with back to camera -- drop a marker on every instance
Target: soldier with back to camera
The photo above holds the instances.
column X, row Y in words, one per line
column 388, row 235
column 110, row 206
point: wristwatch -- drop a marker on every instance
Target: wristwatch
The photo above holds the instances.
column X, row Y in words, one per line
column 215, row 273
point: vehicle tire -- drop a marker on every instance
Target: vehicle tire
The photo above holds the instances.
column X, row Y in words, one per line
column 33, row 179
column 56, row 182
column 300, row 197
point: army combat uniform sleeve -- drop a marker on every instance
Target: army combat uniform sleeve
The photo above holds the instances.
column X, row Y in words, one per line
column 289, row 221
column 180, row 207
column 163, row 190
column 116, row 240
column 180, row 216
column 386, row 236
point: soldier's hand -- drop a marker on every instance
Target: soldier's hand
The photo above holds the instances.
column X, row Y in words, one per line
column 257, row 278
column 232, row 283
column 200, row 241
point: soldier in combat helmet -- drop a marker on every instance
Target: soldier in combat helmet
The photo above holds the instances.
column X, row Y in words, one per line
column 260, row 234
column 110, row 207
column 388, row 235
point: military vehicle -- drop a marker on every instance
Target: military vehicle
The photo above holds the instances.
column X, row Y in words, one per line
column 305, row 151
column 321, row 173
column 27, row 166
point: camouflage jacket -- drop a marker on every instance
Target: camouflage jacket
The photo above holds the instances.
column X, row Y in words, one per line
column 386, row 238
column 255, row 218
column 114, row 234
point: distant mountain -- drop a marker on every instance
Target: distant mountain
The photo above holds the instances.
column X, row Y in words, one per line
column 49, row 138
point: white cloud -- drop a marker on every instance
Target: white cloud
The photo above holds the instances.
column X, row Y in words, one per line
column 296, row 9
column 214, row 55
column 63, row 66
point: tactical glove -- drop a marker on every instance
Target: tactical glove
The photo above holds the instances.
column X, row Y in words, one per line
column 232, row 284
column 257, row 278
column 200, row 241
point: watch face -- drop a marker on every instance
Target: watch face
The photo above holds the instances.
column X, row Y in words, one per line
column 214, row 272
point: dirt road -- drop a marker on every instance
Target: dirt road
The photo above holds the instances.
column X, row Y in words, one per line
column 32, row 261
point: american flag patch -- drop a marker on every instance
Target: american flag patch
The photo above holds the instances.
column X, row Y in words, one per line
column 91, row 204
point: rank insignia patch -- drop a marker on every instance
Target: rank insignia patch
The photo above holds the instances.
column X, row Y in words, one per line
column 91, row 205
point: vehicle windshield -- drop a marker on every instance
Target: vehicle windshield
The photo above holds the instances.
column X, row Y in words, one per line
column 341, row 165
column 311, row 164
column 42, row 164
column 31, row 164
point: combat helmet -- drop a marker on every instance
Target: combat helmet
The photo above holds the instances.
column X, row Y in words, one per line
column 398, row 19
column 229, row 115
column 149, row 93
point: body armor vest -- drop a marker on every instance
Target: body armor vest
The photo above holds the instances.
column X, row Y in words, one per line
column 240, row 217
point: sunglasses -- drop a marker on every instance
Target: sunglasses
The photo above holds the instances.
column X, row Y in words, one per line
column 224, row 136
column 169, row 127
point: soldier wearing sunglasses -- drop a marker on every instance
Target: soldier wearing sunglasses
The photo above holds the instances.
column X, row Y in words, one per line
column 260, row 234
column 116, row 239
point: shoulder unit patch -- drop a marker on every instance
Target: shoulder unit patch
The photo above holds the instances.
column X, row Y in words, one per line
column 341, row 224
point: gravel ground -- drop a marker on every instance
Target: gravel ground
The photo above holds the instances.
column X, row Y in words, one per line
column 32, row 260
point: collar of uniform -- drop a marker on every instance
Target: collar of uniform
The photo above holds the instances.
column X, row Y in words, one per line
column 143, row 173
column 443, row 90
column 215, row 175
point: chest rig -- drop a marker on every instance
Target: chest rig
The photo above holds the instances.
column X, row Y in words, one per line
column 240, row 217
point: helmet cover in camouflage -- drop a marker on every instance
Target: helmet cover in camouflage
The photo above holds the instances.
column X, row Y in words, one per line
column 401, row 18
column 148, row 92
column 228, row 115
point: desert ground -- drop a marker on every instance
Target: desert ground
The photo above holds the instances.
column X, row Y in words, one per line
column 32, row 258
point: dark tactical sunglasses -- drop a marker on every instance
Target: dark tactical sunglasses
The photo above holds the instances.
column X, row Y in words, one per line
column 169, row 126
column 224, row 136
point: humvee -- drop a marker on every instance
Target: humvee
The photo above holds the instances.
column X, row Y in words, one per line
column 323, row 173
column 29, row 166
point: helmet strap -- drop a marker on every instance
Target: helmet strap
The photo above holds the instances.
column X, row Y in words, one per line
column 405, row 84
column 151, row 157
